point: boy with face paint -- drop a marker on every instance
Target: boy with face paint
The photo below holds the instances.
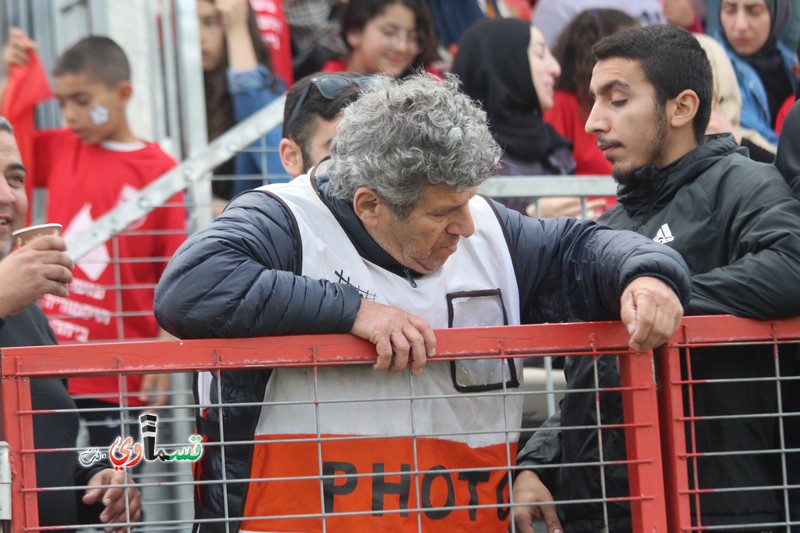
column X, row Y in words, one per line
column 87, row 169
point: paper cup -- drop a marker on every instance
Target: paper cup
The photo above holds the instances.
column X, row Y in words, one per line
column 31, row 233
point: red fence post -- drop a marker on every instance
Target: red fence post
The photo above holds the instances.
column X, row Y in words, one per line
column 673, row 437
column 16, row 398
column 645, row 472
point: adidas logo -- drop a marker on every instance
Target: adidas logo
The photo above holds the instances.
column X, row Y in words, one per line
column 664, row 235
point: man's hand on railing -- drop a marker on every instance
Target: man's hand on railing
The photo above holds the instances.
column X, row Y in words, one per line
column 651, row 311
column 114, row 499
column 528, row 488
column 400, row 338
column 154, row 390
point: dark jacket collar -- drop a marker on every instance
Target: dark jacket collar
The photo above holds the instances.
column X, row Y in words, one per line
column 366, row 246
column 651, row 188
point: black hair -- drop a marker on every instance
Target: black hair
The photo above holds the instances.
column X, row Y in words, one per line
column 301, row 128
column 219, row 102
column 100, row 58
column 672, row 61
column 574, row 48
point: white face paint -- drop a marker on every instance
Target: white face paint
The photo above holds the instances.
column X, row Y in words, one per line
column 99, row 115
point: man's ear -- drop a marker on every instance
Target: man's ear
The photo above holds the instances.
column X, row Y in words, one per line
column 683, row 109
column 366, row 205
column 291, row 157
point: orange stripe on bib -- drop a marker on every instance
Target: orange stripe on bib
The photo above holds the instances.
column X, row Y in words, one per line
column 377, row 477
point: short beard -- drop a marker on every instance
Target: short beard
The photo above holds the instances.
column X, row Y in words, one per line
column 306, row 155
column 624, row 176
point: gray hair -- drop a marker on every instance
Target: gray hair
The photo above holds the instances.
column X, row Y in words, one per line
column 5, row 125
column 403, row 135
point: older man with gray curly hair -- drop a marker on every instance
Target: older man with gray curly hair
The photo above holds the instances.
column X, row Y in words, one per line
column 389, row 241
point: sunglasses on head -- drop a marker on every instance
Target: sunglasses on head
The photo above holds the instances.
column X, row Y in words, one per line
column 329, row 86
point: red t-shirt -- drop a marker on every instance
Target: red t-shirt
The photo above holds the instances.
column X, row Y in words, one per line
column 111, row 297
column 568, row 120
column 27, row 86
column 340, row 65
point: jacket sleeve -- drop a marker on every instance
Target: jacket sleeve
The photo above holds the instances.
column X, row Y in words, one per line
column 240, row 277
column 788, row 157
column 569, row 269
column 761, row 226
column 542, row 452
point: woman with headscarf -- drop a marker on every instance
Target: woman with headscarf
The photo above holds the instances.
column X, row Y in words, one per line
column 506, row 65
column 749, row 32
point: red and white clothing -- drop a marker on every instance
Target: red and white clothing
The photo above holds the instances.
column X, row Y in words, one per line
column 456, row 421
column 111, row 297
column 276, row 35
column 340, row 65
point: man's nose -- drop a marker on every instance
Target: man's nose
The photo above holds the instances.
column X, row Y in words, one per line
column 464, row 226
column 594, row 122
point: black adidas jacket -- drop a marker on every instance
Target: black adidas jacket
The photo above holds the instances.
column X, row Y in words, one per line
column 738, row 227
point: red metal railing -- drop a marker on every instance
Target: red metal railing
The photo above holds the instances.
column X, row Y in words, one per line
column 654, row 419
column 678, row 417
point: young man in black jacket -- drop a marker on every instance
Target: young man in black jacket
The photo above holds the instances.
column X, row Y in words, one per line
column 737, row 225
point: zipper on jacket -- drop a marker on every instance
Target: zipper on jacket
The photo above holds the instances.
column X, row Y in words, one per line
column 409, row 277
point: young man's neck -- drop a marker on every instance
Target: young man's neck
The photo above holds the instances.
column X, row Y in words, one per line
column 677, row 147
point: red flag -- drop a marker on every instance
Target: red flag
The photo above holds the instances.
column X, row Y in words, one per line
column 27, row 86
column 275, row 32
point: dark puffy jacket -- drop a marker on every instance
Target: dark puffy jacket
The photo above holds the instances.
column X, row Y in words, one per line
column 787, row 160
column 788, row 157
column 738, row 227
column 241, row 278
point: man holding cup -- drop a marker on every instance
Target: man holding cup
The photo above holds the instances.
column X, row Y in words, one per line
column 41, row 266
column 35, row 270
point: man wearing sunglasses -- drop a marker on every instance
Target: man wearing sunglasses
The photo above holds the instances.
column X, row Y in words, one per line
column 389, row 241
column 313, row 108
